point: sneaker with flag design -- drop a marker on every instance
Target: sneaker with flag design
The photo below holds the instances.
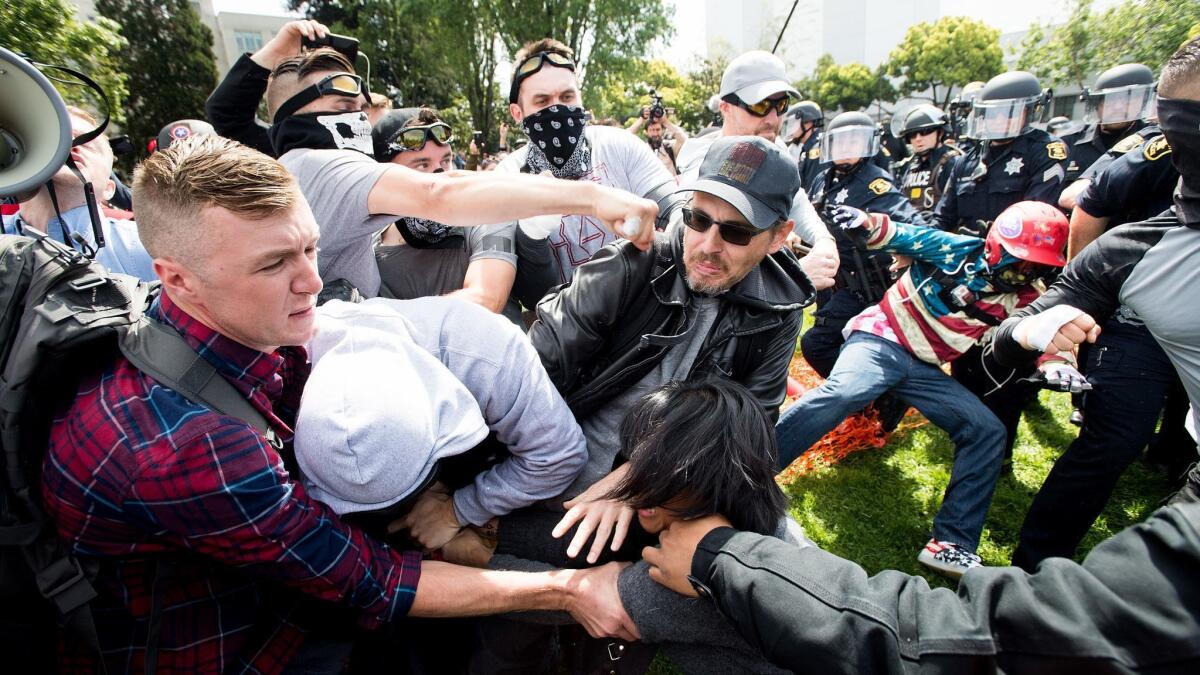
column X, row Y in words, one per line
column 948, row 558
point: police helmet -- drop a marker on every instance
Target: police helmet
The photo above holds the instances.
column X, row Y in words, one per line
column 797, row 115
column 1121, row 94
column 850, row 135
column 923, row 118
column 1007, row 106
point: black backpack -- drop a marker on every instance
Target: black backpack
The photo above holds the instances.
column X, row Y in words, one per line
column 65, row 316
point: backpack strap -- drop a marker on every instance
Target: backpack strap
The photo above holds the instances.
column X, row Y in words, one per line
column 160, row 352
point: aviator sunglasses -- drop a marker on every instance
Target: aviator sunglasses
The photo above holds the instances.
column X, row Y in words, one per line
column 733, row 233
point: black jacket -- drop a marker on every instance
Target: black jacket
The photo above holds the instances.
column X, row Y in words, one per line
column 607, row 328
column 232, row 105
column 1133, row 606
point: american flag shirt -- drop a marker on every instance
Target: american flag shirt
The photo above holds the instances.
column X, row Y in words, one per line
column 916, row 312
column 136, row 473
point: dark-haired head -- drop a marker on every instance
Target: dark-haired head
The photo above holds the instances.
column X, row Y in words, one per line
column 697, row 448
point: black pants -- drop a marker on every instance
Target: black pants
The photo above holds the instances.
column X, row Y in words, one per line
column 821, row 343
column 1130, row 376
column 999, row 387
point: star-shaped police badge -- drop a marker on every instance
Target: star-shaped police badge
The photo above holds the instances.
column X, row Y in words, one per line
column 1014, row 166
column 842, row 196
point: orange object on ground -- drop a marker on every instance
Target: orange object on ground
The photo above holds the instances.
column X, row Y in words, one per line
column 857, row 432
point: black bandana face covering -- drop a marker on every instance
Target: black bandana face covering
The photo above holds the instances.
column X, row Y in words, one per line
column 1180, row 123
column 323, row 131
column 556, row 142
column 425, row 233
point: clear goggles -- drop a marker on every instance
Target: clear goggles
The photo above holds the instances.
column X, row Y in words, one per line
column 1118, row 106
column 1006, row 118
column 849, row 143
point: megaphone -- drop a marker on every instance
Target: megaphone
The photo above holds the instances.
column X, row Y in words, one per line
column 35, row 130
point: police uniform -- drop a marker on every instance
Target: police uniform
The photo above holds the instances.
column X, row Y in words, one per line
column 986, row 180
column 1089, row 144
column 923, row 177
column 1130, row 374
column 1126, row 144
column 863, row 276
column 809, row 161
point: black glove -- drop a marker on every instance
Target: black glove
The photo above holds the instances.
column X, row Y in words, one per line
column 854, row 223
column 339, row 289
column 977, row 228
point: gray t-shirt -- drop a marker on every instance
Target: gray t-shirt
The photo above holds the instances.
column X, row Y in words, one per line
column 336, row 184
column 602, row 428
column 412, row 272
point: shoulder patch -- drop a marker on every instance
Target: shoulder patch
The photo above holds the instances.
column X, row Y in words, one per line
column 1126, row 144
column 814, row 152
column 1056, row 150
column 1156, row 149
column 880, row 186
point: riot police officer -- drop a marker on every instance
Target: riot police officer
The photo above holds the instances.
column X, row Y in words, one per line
column 802, row 131
column 1008, row 161
column 851, row 178
column 1011, row 161
column 1114, row 107
column 923, row 174
column 959, row 108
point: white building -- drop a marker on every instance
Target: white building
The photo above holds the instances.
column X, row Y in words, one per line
column 233, row 33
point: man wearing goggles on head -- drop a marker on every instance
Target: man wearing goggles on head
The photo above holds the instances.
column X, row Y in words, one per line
column 923, row 175
column 851, row 179
column 323, row 138
column 1115, row 109
column 754, row 100
column 1010, row 161
column 544, row 99
column 419, row 257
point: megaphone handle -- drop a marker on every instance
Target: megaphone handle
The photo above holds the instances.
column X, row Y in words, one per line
column 89, row 194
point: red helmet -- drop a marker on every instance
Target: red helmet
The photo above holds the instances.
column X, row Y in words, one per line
column 1033, row 231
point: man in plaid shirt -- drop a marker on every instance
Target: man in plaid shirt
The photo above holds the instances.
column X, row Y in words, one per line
column 136, row 474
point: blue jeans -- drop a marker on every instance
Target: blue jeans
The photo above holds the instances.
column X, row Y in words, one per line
column 867, row 367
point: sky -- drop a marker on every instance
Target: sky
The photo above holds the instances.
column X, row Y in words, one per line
column 1007, row 15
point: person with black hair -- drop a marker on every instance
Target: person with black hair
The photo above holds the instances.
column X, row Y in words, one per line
column 696, row 448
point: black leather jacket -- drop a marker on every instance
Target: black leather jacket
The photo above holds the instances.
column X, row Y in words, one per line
column 613, row 323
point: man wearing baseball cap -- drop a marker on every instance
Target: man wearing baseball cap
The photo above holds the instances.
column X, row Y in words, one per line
column 717, row 295
column 754, row 97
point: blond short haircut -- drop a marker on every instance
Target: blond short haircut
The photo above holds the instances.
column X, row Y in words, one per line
column 380, row 102
column 174, row 186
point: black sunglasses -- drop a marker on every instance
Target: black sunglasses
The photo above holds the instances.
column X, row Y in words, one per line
column 337, row 84
column 415, row 138
column 765, row 106
column 733, row 233
column 534, row 63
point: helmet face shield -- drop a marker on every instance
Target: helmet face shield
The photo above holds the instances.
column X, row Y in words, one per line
column 1120, row 105
column 849, row 143
column 1004, row 118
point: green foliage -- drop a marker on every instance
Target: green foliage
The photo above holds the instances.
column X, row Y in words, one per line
column 1134, row 31
column 949, row 52
column 445, row 53
column 169, row 61
column 47, row 32
column 849, row 86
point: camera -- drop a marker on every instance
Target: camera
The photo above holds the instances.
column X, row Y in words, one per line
column 656, row 107
column 346, row 46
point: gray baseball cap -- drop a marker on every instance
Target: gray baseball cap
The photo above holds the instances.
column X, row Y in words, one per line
column 754, row 175
column 754, row 76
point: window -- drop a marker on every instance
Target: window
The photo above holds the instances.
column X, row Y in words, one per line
column 248, row 41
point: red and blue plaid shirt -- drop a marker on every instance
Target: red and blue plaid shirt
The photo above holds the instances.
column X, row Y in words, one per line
column 135, row 472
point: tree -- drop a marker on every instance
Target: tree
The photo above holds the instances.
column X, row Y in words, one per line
column 169, row 60
column 951, row 51
column 850, row 86
column 47, row 32
column 1090, row 42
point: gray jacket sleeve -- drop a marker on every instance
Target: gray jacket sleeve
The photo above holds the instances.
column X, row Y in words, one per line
column 809, row 225
column 498, row 365
column 1133, row 605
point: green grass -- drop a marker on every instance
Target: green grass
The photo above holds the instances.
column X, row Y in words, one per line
column 876, row 507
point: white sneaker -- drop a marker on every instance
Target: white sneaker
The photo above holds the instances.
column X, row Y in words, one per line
column 948, row 558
